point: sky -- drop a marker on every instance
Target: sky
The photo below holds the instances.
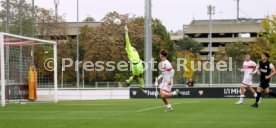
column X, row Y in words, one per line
column 172, row 13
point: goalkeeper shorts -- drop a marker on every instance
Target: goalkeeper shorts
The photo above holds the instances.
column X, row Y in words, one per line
column 137, row 69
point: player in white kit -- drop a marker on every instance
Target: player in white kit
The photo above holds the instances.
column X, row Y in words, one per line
column 167, row 80
column 248, row 69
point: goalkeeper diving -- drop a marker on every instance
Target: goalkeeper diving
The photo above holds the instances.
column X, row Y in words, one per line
column 137, row 67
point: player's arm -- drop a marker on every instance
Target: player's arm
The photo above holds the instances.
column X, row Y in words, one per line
column 272, row 71
column 163, row 66
column 128, row 45
column 157, row 80
column 159, row 77
column 257, row 70
column 241, row 69
column 171, row 77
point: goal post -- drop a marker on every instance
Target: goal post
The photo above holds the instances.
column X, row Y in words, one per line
column 16, row 57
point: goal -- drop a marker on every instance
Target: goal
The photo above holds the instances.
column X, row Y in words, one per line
column 18, row 55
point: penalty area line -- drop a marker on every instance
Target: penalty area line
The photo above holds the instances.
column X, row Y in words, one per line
column 147, row 109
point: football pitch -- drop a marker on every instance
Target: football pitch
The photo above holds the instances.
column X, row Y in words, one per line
column 140, row 113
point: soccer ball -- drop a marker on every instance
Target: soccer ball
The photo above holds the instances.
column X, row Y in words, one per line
column 117, row 22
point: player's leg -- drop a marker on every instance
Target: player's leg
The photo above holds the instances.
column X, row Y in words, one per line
column 241, row 96
column 166, row 93
column 245, row 83
column 259, row 93
column 141, row 81
column 130, row 79
column 140, row 71
column 164, row 97
column 249, row 85
column 269, row 92
column 134, row 73
column 252, row 91
column 169, row 93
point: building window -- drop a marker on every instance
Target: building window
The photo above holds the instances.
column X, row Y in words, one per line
column 204, row 53
column 253, row 35
column 215, row 44
column 205, row 44
column 198, row 35
column 222, row 35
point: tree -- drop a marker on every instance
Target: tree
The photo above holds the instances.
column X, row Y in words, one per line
column 188, row 48
column 106, row 43
column 237, row 51
column 89, row 19
column 257, row 48
column 269, row 35
column 45, row 20
column 46, row 27
column 220, row 55
column 14, row 15
column 269, row 26
column 189, row 44
column 67, row 50
column 160, row 30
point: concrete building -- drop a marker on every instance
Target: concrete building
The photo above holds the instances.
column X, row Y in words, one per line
column 223, row 31
column 73, row 29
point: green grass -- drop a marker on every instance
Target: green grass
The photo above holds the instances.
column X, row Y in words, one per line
column 188, row 113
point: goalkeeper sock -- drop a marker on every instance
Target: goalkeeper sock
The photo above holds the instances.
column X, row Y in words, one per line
column 130, row 79
column 141, row 81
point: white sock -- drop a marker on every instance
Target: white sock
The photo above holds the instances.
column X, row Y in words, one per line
column 241, row 98
column 255, row 94
column 169, row 106
column 174, row 93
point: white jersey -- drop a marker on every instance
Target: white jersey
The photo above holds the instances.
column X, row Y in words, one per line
column 167, row 75
column 248, row 67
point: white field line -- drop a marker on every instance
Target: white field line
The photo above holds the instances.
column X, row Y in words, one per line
column 147, row 109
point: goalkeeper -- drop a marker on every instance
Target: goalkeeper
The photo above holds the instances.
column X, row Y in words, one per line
column 136, row 63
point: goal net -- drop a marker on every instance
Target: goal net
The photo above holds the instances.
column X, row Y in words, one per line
column 28, row 69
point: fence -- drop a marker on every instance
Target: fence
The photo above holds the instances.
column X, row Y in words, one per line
column 92, row 85
column 232, row 78
column 235, row 76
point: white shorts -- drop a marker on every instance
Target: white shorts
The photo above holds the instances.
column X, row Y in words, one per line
column 247, row 82
column 165, row 87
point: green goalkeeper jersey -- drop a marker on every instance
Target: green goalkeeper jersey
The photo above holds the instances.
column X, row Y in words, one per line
column 133, row 56
column 132, row 53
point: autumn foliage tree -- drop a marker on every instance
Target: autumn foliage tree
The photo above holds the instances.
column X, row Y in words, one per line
column 106, row 43
column 269, row 36
column 46, row 23
column 46, row 27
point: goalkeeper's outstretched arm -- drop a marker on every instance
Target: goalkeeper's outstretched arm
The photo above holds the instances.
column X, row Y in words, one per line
column 128, row 44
